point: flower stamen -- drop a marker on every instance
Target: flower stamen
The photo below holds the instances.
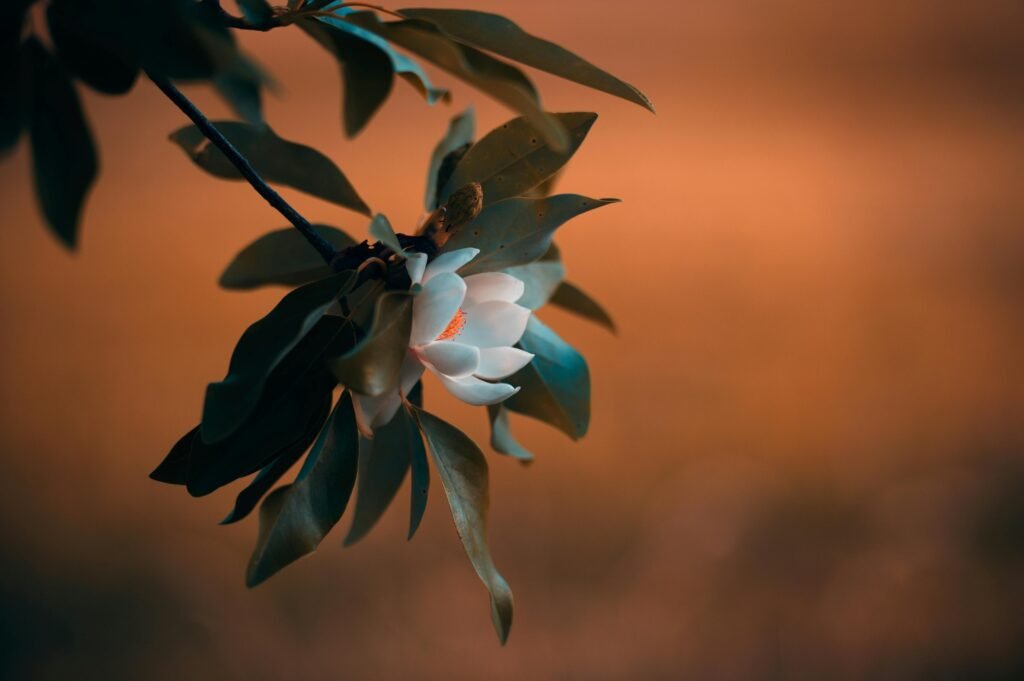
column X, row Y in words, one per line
column 454, row 327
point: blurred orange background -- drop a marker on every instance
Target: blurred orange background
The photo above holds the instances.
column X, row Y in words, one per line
column 807, row 451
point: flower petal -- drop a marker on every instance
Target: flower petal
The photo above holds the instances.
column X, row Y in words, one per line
column 449, row 262
column 493, row 324
column 476, row 392
column 435, row 306
column 498, row 363
column 374, row 412
column 416, row 264
column 493, row 286
column 450, row 358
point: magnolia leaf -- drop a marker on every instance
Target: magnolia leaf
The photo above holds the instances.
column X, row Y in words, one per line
column 293, row 405
column 555, row 386
column 372, row 366
column 569, row 297
column 175, row 466
column 383, row 463
column 419, row 472
column 261, row 348
column 12, row 77
column 282, row 257
column 502, row 440
column 518, row 231
column 461, row 131
column 408, row 69
column 295, row 518
column 381, row 230
column 367, row 72
column 540, row 278
column 277, row 160
column 495, row 33
column 514, row 158
column 463, row 471
column 268, row 476
column 84, row 55
column 63, row 154
column 498, row 79
column 242, row 93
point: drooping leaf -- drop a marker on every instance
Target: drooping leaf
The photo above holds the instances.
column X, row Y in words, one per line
column 463, row 471
column 372, row 366
column 295, row 518
column 500, row 80
column 12, row 73
column 63, row 154
column 512, row 159
column 85, row 56
column 571, row 298
column 292, row 408
column 174, row 468
column 518, row 231
column 277, row 160
column 268, row 476
column 381, row 230
column 260, row 349
column 495, row 33
column 419, row 470
column 242, row 93
column 367, row 72
column 555, row 386
column 383, row 463
column 282, row 257
column 502, row 440
column 408, row 69
column 540, row 278
column 461, row 132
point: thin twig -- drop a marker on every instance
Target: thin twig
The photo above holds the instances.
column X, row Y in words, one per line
column 323, row 247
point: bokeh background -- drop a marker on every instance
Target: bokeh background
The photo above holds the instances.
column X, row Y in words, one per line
column 807, row 451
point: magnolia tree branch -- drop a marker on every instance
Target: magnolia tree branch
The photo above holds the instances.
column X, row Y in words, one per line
column 323, row 247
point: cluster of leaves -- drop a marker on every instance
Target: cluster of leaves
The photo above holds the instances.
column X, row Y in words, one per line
column 344, row 328
column 106, row 44
column 334, row 330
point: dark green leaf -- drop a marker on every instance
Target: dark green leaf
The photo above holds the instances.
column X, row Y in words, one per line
column 282, row 257
column 292, row 408
column 514, row 158
column 555, row 386
column 502, row 440
column 383, row 463
column 495, row 33
column 268, row 476
column 367, row 73
column 260, row 349
column 408, row 69
column 518, row 231
column 84, row 54
column 242, row 93
column 63, row 154
column 573, row 299
column 500, row 80
column 463, row 472
column 381, row 230
column 372, row 367
column 419, row 472
column 175, row 466
column 461, row 132
column 12, row 73
column 277, row 160
column 295, row 518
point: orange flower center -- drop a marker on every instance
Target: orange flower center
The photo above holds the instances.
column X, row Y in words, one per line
column 454, row 327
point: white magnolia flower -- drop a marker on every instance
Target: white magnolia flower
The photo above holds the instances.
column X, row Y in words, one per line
column 463, row 330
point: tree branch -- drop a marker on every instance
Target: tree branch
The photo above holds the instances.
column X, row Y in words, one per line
column 323, row 247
